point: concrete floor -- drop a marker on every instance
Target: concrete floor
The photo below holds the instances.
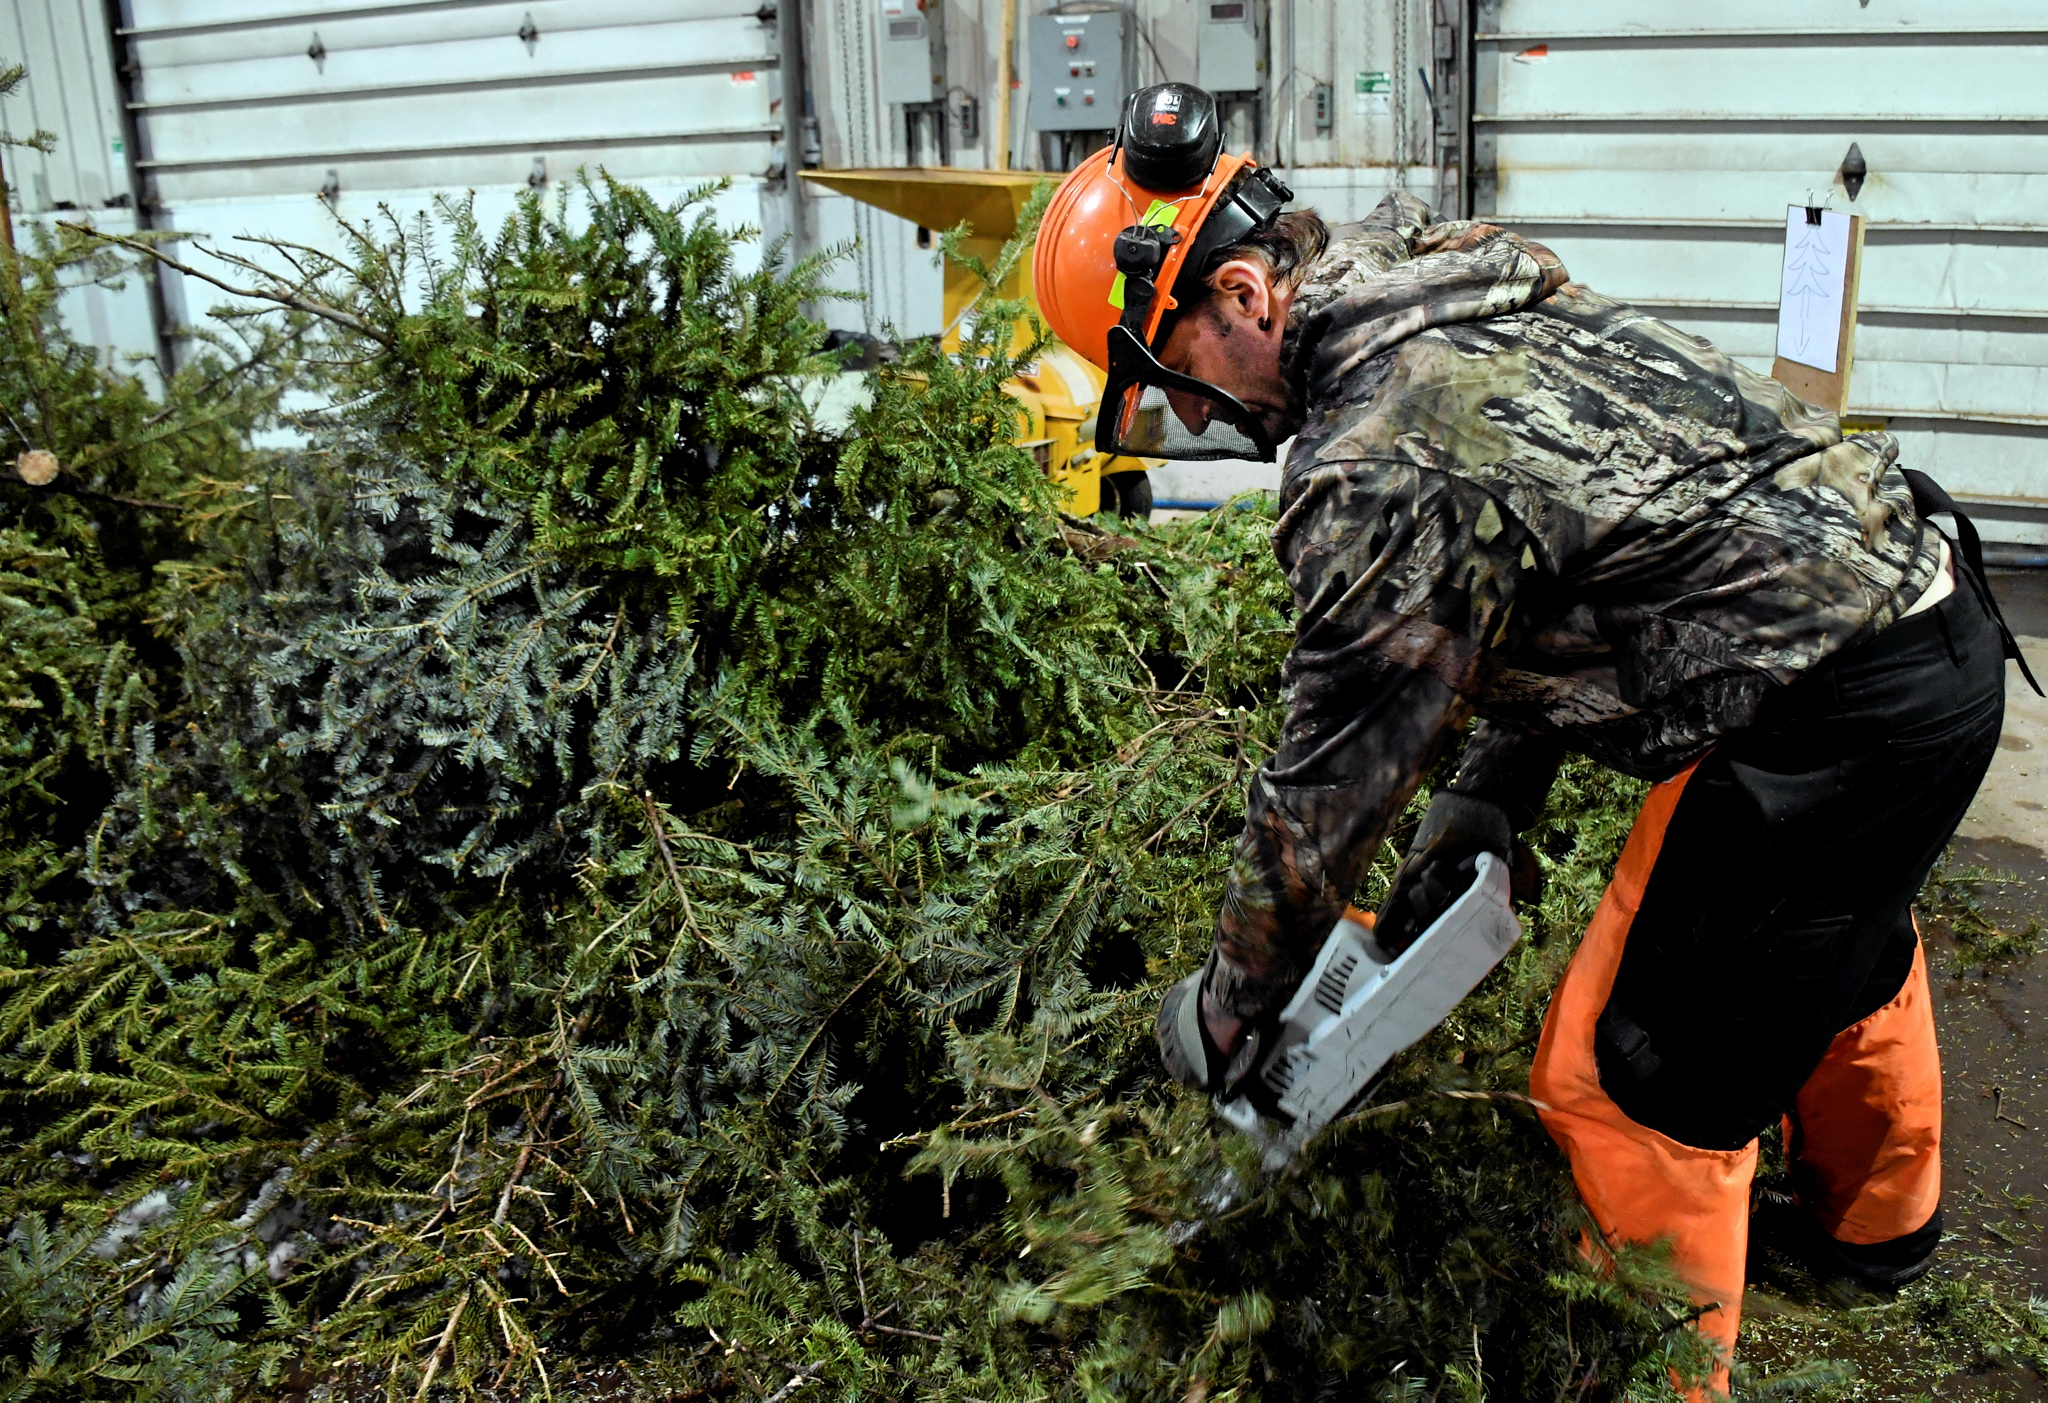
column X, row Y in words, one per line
column 1994, row 1024
column 2013, row 804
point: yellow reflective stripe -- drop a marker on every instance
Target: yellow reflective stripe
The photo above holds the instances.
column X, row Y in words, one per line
column 1160, row 216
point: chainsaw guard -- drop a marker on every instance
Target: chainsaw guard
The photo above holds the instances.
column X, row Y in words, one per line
column 1358, row 1007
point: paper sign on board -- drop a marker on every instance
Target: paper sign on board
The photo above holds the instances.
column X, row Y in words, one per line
column 1811, row 289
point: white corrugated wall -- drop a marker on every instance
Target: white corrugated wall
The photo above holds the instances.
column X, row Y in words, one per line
column 261, row 118
column 270, row 119
column 1655, row 146
column 1343, row 172
column 246, row 111
column 71, row 92
column 898, row 282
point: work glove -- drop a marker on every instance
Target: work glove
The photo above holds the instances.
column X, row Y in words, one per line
column 1443, row 862
column 1184, row 1046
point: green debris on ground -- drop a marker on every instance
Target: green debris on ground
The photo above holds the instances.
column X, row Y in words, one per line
column 580, row 862
column 1955, row 896
column 1962, row 1321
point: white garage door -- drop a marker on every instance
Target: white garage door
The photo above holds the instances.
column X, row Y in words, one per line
column 1655, row 146
column 71, row 94
column 263, row 116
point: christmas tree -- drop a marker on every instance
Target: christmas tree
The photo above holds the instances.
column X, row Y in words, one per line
column 581, row 862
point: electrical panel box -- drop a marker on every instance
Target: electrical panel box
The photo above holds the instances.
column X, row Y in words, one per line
column 1229, row 46
column 1082, row 68
column 913, row 52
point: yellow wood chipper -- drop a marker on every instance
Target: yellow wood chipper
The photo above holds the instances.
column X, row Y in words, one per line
column 1058, row 393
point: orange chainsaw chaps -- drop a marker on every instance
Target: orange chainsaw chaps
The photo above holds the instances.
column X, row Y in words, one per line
column 1639, row 1185
column 1865, row 1132
column 1866, row 1129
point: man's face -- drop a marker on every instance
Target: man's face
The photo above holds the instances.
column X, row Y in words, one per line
column 1223, row 343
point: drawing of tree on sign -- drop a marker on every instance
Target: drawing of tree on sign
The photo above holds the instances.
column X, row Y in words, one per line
column 1810, row 295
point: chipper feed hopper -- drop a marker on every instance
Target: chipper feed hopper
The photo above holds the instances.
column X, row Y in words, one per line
column 1058, row 393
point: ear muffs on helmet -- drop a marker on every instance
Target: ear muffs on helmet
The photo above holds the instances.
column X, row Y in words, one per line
column 1169, row 137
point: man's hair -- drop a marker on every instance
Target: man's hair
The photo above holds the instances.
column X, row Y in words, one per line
column 1286, row 247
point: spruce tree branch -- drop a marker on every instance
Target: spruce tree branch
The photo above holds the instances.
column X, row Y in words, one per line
column 539, row 1256
column 263, row 355
column 860, row 1280
column 441, row 1348
column 1185, row 810
column 540, row 1123
column 797, row 1381
column 1366, row 1112
column 547, row 1113
column 853, row 838
column 291, row 297
column 478, row 1097
column 913, row 1334
column 74, row 490
column 170, row 1322
column 290, row 249
column 819, row 1031
column 129, row 444
column 667, row 859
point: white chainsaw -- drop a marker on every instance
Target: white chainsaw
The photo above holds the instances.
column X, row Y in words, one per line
column 1359, row 1006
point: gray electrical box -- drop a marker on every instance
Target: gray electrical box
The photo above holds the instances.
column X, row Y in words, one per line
column 1229, row 46
column 1082, row 67
column 913, row 52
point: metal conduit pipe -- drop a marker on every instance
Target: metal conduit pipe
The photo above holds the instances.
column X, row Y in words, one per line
column 795, row 75
column 1004, row 81
column 140, row 181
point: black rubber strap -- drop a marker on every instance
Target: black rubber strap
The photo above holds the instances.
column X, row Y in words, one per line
column 1929, row 498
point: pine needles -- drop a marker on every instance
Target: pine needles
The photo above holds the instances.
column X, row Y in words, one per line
column 607, row 864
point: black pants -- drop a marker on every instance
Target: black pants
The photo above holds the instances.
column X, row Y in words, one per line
column 1778, row 913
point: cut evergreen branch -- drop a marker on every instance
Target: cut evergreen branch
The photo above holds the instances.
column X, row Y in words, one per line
column 599, row 864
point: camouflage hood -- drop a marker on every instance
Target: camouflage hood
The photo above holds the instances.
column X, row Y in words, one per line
column 1393, row 275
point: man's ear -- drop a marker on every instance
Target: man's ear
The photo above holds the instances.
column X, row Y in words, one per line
column 1244, row 291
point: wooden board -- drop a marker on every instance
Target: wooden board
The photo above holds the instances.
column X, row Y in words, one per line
column 1830, row 389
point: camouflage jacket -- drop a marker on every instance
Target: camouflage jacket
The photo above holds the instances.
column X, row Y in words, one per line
column 1510, row 496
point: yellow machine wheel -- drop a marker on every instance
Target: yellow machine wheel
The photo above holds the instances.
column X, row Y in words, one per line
column 1128, row 494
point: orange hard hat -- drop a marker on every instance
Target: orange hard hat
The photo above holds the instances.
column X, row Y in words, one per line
column 1074, row 270
column 1161, row 201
